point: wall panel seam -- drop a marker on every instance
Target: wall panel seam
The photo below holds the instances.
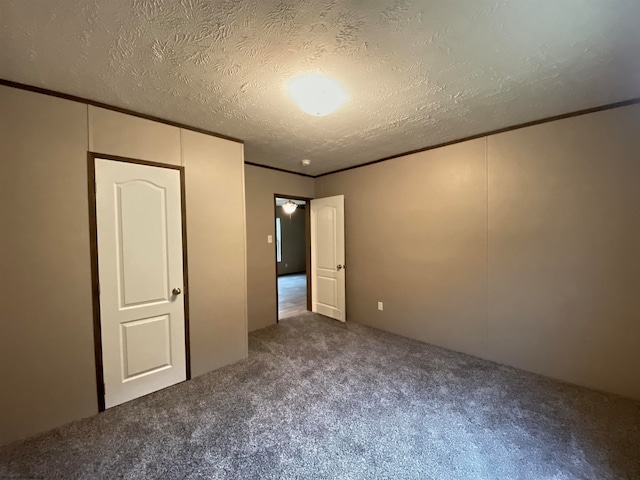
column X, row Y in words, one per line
column 246, row 266
column 88, row 130
column 486, row 168
column 181, row 148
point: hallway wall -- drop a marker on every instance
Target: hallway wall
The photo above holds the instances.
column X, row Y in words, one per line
column 294, row 241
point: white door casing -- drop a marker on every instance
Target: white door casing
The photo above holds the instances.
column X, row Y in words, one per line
column 140, row 263
column 328, row 257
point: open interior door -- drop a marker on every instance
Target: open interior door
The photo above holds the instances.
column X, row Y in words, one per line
column 327, row 257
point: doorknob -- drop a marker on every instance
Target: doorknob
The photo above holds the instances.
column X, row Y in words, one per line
column 340, row 267
column 176, row 291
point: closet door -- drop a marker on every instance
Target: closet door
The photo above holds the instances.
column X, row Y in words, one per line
column 140, row 268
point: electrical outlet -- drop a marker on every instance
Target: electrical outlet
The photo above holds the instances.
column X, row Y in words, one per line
column 380, row 306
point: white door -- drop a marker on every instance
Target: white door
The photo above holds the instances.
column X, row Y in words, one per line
column 139, row 233
column 327, row 257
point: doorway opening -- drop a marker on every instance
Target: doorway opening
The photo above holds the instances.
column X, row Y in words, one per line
column 293, row 255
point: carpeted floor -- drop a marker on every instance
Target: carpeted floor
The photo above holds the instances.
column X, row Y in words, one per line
column 321, row 399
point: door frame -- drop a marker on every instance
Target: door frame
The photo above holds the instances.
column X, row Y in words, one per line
column 307, row 235
column 95, row 278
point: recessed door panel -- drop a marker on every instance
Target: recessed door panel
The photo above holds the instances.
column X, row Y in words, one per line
column 141, row 224
column 326, row 231
column 139, row 237
column 145, row 346
column 328, row 291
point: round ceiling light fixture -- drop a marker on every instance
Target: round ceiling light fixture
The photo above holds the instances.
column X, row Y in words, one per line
column 289, row 207
column 317, row 94
column 306, row 162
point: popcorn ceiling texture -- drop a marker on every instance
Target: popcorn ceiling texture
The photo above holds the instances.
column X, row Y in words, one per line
column 419, row 72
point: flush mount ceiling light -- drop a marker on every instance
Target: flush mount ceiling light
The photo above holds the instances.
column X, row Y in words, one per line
column 317, row 94
column 289, row 207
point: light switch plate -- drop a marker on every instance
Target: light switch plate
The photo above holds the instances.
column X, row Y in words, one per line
column 269, row 238
column 380, row 306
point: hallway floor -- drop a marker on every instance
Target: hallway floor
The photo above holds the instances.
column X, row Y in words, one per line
column 292, row 295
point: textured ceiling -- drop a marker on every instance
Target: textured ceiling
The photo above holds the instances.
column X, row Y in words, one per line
column 419, row 72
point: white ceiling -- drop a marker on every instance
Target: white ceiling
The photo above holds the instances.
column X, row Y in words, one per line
column 419, row 72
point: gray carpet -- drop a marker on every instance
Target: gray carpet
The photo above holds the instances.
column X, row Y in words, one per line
column 320, row 399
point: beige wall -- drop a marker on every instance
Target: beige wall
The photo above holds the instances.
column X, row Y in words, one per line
column 46, row 350
column 293, row 229
column 216, row 248
column 523, row 247
column 123, row 135
column 216, row 253
column 564, row 249
column 46, row 346
column 416, row 240
column 261, row 184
